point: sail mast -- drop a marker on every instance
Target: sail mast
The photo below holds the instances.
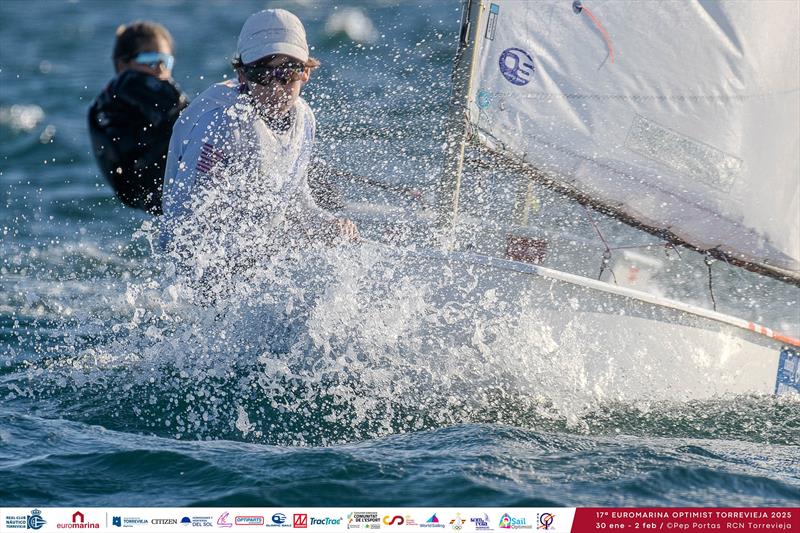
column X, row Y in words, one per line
column 457, row 124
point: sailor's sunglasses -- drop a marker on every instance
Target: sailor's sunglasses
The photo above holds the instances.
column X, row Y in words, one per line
column 154, row 59
column 283, row 74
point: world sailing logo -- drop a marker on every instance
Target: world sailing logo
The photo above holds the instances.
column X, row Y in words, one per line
column 516, row 65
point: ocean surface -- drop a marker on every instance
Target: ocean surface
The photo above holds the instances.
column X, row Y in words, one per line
column 116, row 392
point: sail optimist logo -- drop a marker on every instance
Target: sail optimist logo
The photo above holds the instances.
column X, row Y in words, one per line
column 516, row 65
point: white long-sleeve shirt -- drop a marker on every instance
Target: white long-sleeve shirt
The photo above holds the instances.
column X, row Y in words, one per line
column 221, row 138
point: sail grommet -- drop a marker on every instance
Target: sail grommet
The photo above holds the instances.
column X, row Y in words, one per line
column 577, row 7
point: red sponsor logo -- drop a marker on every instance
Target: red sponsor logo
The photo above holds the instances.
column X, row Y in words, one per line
column 300, row 520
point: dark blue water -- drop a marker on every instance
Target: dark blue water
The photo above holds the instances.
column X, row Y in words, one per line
column 114, row 392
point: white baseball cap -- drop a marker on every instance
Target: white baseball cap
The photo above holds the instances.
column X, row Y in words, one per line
column 272, row 31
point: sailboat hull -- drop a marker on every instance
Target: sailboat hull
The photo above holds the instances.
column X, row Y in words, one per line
column 614, row 343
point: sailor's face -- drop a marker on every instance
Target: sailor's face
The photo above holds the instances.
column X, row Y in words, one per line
column 159, row 70
column 277, row 97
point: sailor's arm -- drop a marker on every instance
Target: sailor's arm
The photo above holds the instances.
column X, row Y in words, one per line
column 194, row 159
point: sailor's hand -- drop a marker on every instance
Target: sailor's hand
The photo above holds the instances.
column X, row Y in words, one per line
column 347, row 229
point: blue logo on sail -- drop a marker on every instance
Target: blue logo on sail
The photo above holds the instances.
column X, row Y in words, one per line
column 516, row 65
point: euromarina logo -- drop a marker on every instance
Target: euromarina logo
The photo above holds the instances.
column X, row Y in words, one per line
column 433, row 521
column 31, row 521
column 78, row 522
column 249, row 520
column 363, row 520
column 481, row 523
column 509, row 522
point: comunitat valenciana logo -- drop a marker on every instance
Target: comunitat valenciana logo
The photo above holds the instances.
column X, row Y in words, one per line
column 78, row 522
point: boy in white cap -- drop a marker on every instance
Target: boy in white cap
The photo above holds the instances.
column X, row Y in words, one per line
column 244, row 149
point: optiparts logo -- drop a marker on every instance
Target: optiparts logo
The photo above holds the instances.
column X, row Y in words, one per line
column 516, row 65
column 300, row 520
column 249, row 520
column 392, row 520
column 545, row 520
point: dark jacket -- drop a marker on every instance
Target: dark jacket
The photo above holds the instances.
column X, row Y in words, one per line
column 130, row 124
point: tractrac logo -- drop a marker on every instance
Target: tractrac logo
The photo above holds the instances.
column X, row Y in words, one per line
column 392, row 520
column 327, row 521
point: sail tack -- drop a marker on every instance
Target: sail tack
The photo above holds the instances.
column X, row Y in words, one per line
column 681, row 115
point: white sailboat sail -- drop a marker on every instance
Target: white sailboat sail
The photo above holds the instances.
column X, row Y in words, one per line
column 683, row 116
column 687, row 124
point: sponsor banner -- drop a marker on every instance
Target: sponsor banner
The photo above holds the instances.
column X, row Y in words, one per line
column 387, row 519
column 687, row 519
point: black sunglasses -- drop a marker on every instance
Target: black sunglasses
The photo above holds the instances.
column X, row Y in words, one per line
column 283, row 74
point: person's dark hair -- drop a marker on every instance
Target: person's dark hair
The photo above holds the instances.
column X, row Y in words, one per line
column 237, row 64
column 132, row 38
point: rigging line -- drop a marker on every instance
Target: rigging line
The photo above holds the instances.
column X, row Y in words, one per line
column 709, row 261
column 739, row 274
column 579, row 7
column 668, row 245
column 607, row 253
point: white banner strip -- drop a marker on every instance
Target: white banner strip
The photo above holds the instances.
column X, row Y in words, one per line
column 276, row 519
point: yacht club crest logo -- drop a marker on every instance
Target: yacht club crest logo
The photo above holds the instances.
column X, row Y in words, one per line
column 31, row 521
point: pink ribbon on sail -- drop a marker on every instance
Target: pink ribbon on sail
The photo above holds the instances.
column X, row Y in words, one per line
column 579, row 8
